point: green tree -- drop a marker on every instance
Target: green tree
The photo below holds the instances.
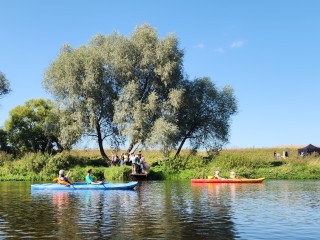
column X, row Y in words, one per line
column 4, row 85
column 4, row 141
column 134, row 87
column 152, row 85
column 135, row 75
column 33, row 127
column 204, row 118
column 85, row 85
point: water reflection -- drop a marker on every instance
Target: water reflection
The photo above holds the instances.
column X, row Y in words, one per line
column 157, row 210
column 87, row 214
column 163, row 210
column 172, row 210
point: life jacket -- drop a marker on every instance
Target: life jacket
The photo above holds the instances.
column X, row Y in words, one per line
column 58, row 180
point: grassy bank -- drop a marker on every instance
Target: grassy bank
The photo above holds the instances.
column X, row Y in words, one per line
column 253, row 163
column 247, row 163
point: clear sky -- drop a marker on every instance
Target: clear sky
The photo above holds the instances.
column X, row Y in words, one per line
column 268, row 51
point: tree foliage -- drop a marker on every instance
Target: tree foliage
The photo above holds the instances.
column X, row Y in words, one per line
column 116, row 83
column 4, row 142
column 85, row 85
column 132, row 87
column 4, row 85
column 151, row 88
column 205, row 114
column 33, row 127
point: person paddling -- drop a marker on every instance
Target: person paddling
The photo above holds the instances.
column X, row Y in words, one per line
column 61, row 179
column 216, row 175
column 89, row 178
column 233, row 175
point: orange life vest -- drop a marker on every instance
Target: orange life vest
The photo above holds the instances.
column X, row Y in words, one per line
column 57, row 180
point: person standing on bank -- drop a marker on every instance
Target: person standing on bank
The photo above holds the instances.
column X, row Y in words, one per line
column 133, row 163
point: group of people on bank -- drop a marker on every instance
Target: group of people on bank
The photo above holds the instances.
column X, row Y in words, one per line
column 137, row 161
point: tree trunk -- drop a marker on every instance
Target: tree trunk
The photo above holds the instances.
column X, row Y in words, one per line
column 130, row 147
column 133, row 146
column 180, row 147
column 100, row 142
column 182, row 143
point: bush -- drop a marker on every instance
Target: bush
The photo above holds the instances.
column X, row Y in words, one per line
column 33, row 162
column 60, row 161
column 5, row 157
column 116, row 173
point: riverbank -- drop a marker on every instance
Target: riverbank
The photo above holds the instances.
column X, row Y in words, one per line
column 247, row 163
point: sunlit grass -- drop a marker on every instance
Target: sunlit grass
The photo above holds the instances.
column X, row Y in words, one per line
column 247, row 163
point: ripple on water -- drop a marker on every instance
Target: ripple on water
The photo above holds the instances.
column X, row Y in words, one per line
column 163, row 210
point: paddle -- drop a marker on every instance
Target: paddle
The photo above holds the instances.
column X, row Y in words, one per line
column 67, row 176
column 70, row 172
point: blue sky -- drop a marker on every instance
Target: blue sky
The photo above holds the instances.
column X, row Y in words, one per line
column 268, row 51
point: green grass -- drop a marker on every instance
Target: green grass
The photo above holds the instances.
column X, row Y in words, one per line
column 247, row 163
column 255, row 163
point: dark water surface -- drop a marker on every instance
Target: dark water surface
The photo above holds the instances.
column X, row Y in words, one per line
column 164, row 210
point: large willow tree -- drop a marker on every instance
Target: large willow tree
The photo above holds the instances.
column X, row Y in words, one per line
column 133, row 87
column 205, row 115
column 85, row 86
column 151, row 93
column 117, row 84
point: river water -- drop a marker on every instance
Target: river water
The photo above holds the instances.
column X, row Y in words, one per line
column 164, row 210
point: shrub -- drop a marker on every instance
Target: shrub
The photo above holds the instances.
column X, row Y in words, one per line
column 34, row 162
column 5, row 157
column 117, row 173
column 60, row 161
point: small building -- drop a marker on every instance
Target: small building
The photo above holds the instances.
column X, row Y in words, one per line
column 308, row 150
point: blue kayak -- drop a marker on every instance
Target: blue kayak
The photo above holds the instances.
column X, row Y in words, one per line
column 85, row 186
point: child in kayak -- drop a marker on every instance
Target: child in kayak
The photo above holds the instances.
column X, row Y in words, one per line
column 90, row 180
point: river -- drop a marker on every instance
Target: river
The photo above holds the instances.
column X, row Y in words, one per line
column 273, row 209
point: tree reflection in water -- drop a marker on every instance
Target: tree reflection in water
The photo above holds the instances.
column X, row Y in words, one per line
column 163, row 210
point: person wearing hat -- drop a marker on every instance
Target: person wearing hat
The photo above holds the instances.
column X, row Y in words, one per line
column 89, row 178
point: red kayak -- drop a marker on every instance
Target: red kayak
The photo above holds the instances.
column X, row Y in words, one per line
column 240, row 180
